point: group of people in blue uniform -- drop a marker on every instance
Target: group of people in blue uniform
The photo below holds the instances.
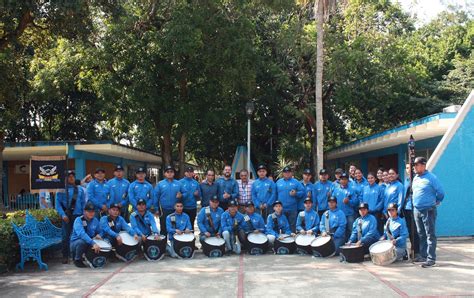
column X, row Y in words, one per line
column 353, row 209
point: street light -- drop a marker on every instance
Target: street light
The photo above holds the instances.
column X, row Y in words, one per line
column 249, row 108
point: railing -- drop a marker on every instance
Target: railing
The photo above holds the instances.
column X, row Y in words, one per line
column 10, row 202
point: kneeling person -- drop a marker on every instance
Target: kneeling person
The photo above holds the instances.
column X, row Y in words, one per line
column 231, row 222
column 277, row 224
column 209, row 220
column 177, row 223
column 364, row 229
column 253, row 223
column 308, row 219
column 333, row 223
column 396, row 231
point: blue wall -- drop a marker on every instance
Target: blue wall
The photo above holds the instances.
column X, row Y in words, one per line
column 454, row 170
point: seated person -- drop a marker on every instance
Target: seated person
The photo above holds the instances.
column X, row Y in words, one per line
column 364, row 229
column 277, row 224
column 252, row 223
column 231, row 227
column 143, row 222
column 333, row 223
column 86, row 228
column 396, row 230
column 209, row 220
column 113, row 224
column 308, row 219
column 177, row 223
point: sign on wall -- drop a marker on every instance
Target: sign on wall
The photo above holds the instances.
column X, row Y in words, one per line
column 47, row 172
column 22, row 169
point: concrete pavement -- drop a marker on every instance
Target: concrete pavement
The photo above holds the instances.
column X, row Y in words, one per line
column 252, row 276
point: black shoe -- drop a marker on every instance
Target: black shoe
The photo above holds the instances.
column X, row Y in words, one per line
column 419, row 260
column 405, row 257
column 79, row 264
column 428, row 264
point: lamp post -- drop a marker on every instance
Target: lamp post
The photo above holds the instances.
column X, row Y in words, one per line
column 249, row 108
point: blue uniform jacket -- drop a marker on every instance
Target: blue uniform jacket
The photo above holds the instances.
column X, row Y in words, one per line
column 374, row 196
column 86, row 229
column 337, row 223
column 311, row 221
column 140, row 190
column 181, row 222
column 208, row 191
column 394, row 193
column 190, row 186
column 165, row 193
column 229, row 223
column 203, row 220
column 290, row 203
column 63, row 202
column 368, row 226
column 229, row 186
column 112, row 228
column 254, row 221
column 263, row 192
column 308, row 190
column 118, row 191
column 408, row 200
column 398, row 229
column 98, row 193
column 283, row 225
column 340, row 193
column 320, row 195
column 143, row 225
column 426, row 191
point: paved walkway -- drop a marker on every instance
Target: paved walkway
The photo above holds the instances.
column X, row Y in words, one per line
column 252, row 276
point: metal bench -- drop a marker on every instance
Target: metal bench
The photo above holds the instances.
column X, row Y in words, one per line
column 35, row 236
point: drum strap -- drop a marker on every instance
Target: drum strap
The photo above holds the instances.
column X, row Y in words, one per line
column 249, row 222
column 112, row 224
column 359, row 229
column 302, row 220
column 326, row 222
column 234, row 227
column 275, row 223
column 173, row 221
column 209, row 218
column 140, row 219
column 387, row 227
column 70, row 208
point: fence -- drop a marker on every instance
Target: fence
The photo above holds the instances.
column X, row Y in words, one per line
column 10, row 202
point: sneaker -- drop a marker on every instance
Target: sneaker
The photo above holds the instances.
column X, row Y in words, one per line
column 79, row 264
column 419, row 260
column 428, row 264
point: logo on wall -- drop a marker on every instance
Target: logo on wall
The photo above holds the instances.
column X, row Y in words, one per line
column 47, row 172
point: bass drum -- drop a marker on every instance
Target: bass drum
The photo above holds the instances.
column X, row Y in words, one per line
column 154, row 249
column 352, row 254
column 213, row 247
column 285, row 246
column 257, row 243
column 129, row 248
column 98, row 260
column 383, row 253
column 323, row 246
column 303, row 244
column 184, row 245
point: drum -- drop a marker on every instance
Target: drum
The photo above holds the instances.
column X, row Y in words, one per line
column 153, row 249
column 98, row 260
column 184, row 245
column 284, row 246
column 352, row 254
column 257, row 243
column 323, row 246
column 303, row 244
column 213, row 247
column 129, row 248
column 383, row 253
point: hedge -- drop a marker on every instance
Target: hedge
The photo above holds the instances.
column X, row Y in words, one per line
column 9, row 247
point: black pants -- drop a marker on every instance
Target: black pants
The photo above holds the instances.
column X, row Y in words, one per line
column 163, row 216
column 192, row 216
column 66, row 233
column 414, row 239
column 243, row 239
column 223, row 205
column 378, row 217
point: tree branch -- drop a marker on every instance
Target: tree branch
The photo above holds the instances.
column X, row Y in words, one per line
column 25, row 20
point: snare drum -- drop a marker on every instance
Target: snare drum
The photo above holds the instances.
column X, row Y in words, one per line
column 95, row 260
column 284, row 246
column 213, row 247
column 323, row 246
column 352, row 254
column 383, row 253
column 154, row 249
column 184, row 245
column 257, row 243
column 129, row 248
column 303, row 244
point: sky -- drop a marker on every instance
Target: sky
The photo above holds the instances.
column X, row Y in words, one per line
column 426, row 10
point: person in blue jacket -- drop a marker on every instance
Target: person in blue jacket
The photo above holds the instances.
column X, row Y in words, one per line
column 143, row 222
column 321, row 192
column 98, row 192
column 253, row 223
column 364, row 230
column 119, row 191
column 288, row 191
column 231, row 222
column 396, row 231
column 337, row 177
column 263, row 192
column 308, row 219
column 373, row 194
column 408, row 214
column 427, row 195
column 347, row 199
column 177, row 223
column 209, row 220
column 85, row 230
column 69, row 205
column 167, row 192
column 141, row 189
column 394, row 192
column 227, row 188
column 359, row 183
column 113, row 224
column 308, row 188
column 333, row 223
column 191, row 194
column 277, row 224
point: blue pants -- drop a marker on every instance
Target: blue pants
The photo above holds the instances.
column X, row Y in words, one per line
column 78, row 248
column 66, row 233
column 425, row 225
column 291, row 216
column 338, row 242
column 350, row 222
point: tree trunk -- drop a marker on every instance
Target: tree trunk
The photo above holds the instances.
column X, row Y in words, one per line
column 166, row 148
column 181, row 153
column 319, row 83
column 2, row 146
